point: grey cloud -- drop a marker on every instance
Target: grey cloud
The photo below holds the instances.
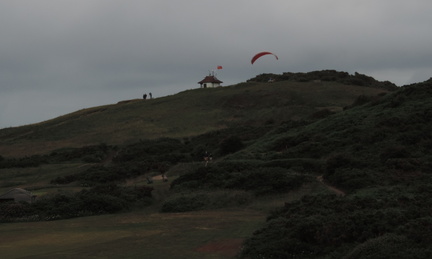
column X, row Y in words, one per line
column 76, row 54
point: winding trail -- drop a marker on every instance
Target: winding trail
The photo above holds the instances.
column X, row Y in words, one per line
column 331, row 188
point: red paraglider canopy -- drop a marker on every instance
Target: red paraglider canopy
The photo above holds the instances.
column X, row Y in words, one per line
column 258, row 55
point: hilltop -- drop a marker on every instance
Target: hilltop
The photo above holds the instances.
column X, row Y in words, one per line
column 193, row 112
column 326, row 76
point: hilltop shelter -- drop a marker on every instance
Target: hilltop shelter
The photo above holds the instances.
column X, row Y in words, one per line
column 18, row 195
column 210, row 81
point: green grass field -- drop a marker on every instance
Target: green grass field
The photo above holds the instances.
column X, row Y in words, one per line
column 205, row 234
column 145, row 233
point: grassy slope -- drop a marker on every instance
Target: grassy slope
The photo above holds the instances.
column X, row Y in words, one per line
column 185, row 114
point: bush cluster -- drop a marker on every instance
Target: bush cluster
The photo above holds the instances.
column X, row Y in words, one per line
column 353, row 226
column 28, row 161
column 260, row 181
column 100, row 199
column 104, row 174
column 166, row 151
column 368, row 145
column 87, row 154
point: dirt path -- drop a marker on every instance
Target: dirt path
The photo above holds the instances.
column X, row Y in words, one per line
column 157, row 177
column 331, row 188
column 108, row 159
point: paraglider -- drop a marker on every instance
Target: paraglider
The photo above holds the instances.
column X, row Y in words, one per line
column 258, row 55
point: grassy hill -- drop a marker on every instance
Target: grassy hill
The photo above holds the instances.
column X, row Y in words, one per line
column 185, row 114
column 302, row 167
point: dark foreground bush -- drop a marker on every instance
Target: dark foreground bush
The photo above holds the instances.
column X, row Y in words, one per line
column 388, row 246
column 386, row 224
column 265, row 180
column 100, row 174
column 351, row 179
column 12, row 211
column 261, row 180
column 230, row 145
column 101, row 199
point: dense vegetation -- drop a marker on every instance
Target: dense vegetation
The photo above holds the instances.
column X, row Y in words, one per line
column 101, row 199
column 376, row 150
column 384, row 223
column 102, row 182
column 379, row 153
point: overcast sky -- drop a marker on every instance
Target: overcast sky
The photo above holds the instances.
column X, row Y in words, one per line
column 60, row 56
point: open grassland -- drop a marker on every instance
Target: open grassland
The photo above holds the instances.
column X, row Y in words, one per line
column 206, row 234
column 144, row 233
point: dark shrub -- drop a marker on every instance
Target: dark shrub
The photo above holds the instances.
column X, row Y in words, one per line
column 100, row 203
column 394, row 152
column 202, row 177
column 13, row 211
column 98, row 174
column 230, row 145
column 65, row 179
column 361, row 100
column 386, row 246
column 260, row 180
column 57, row 206
column 265, row 180
column 340, row 160
column 419, row 230
column 321, row 114
column 351, row 179
column 108, row 198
